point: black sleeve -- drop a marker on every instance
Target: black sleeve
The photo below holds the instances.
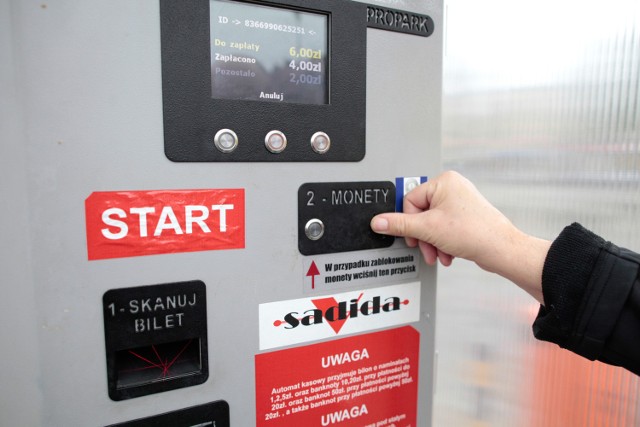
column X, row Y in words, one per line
column 591, row 291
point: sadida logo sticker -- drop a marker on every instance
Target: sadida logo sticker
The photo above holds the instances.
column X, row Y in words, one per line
column 307, row 319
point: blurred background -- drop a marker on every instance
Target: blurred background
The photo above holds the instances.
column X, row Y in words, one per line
column 541, row 110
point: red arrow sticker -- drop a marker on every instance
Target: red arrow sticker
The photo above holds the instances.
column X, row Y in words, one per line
column 313, row 272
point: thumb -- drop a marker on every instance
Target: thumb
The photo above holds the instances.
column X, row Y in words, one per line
column 397, row 224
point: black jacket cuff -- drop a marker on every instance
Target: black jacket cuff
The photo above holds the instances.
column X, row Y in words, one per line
column 591, row 290
column 569, row 266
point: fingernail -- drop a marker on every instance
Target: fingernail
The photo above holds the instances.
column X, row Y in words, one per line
column 380, row 224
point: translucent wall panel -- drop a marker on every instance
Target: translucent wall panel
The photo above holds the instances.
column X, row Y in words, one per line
column 542, row 112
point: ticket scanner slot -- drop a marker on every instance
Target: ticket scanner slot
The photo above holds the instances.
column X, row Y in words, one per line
column 156, row 338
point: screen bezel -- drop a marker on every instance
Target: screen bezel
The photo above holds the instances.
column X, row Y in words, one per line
column 286, row 88
column 192, row 117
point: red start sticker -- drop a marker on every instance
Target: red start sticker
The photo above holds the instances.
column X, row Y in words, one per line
column 367, row 380
column 134, row 223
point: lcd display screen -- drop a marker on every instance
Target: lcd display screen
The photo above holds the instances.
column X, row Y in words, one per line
column 267, row 53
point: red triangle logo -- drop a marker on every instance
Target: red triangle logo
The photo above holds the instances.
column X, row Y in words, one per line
column 324, row 304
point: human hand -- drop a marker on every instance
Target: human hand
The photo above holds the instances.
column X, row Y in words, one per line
column 447, row 217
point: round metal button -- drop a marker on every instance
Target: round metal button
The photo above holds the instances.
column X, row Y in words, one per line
column 314, row 229
column 410, row 184
column 275, row 141
column 226, row 140
column 320, row 142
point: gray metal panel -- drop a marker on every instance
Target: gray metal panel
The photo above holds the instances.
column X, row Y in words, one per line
column 403, row 124
column 93, row 122
column 20, row 399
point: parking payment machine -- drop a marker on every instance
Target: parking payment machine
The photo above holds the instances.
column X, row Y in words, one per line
column 193, row 182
